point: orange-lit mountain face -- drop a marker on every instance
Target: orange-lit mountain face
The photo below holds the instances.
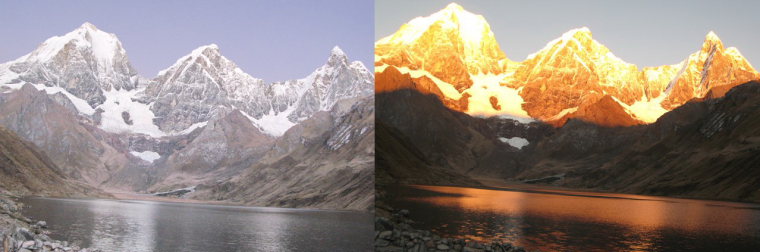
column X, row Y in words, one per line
column 452, row 44
column 574, row 76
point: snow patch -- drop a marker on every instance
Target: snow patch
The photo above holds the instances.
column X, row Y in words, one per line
column 646, row 110
column 517, row 142
column 191, row 128
column 149, row 156
column 273, row 124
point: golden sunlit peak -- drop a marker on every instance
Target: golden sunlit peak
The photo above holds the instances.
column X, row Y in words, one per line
column 470, row 27
column 711, row 39
column 712, row 36
column 577, row 32
column 454, row 6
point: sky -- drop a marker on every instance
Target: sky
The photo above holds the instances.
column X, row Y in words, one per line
column 645, row 33
column 274, row 40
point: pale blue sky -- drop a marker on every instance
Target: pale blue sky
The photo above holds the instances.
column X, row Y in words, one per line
column 646, row 33
column 269, row 39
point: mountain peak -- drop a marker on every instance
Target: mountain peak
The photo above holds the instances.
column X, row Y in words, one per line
column 578, row 38
column 582, row 35
column 209, row 53
column 102, row 45
column 711, row 36
column 431, row 42
column 201, row 49
column 575, row 33
column 337, row 56
column 88, row 26
column 455, row 13
column 712, row 41
column 454, row 7
column 337, row 51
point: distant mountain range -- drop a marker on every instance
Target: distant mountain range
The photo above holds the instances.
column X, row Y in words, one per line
column 573, row 76
column 200, row 122
column 454, row 110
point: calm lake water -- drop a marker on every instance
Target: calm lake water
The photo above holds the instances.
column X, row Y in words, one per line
column 128, row 225
column 555, row 220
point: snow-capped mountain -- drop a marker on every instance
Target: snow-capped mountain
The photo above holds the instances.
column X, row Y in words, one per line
column 712, row 70
column 205, row 83
column 451, row 44
column 295, row 101
column 85, row 63
column 91, row 68
column 200, row 85
column 573, row 76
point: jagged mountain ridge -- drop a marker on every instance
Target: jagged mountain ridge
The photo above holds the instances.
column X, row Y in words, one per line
column 570, row 74
column 271, row 107
column 91, row 68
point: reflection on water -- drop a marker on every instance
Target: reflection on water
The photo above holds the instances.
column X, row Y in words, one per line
column 113, row 225
column 554, row 220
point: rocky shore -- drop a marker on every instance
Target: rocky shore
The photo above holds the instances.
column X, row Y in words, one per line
column 21, row 234
column 395, row 233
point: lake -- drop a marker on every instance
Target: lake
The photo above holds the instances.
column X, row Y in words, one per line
column 560, row 220
column 131, row 225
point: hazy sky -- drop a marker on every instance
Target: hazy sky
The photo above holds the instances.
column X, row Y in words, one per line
column 272, row 39
column 646, row 33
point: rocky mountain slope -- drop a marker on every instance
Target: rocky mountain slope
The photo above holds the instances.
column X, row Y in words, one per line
column 327, row 161
column 573, row 76
column 27, row 171
column 200, row 121
column 703, row 149
column 49, row 121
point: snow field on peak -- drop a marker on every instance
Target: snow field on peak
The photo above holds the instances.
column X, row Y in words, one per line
column 119, row 101
column 486, row 86
column 104, row 45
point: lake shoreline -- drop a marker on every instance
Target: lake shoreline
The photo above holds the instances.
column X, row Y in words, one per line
column 395, row 233
column 20, row 233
